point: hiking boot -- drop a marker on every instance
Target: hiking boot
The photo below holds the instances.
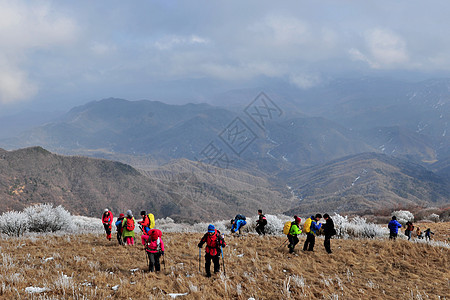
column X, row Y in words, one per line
column 208, row 274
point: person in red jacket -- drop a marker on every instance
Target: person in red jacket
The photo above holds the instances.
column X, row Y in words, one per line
column 155, row 248
column 214, row 241
column 107, row 220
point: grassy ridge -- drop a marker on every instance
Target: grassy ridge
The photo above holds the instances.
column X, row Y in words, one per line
column 90, row 267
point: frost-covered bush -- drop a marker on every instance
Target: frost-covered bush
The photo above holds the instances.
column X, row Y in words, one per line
column 403, row 216
column 433, row 217
column 46, row 218
column 83, row 224
column 356, row 228
column 13, row 223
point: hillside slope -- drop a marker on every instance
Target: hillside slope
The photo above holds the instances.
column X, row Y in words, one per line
column 365, row 183
column 85, row 186
column 90, row 267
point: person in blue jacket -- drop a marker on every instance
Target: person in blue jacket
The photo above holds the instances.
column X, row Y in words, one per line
column 311, row 232
column 393, row 226
column 238, row 222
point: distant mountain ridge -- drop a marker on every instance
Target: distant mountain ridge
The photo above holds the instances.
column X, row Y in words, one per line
column 85, row 186
column 365, row 182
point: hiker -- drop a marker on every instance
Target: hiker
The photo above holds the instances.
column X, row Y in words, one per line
column 155, row 248
column 419, row 233
column 393, row 226
column 311, row 228
column 238, row 222
column 128, row 225
column 428, row 234
column 293, row 232
column 409, row 229
column 119, row 228
column 147, row 223
column 214, row 241
column 328, row 231
column 261, row 223
column 107, row 219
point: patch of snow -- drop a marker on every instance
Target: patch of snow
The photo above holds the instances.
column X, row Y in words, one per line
column 48, row 258
column 284, row 158
column 356, row 179
column 34, row 289
column 115, row 288
column 240, row 255
column 134, row 270
column 174, row 295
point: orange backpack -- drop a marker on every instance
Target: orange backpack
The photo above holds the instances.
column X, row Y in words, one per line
column 130, row 224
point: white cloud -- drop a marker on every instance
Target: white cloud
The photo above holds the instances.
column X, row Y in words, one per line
column 384, row 50
column 25, row 28
column 171, row 41
column 14, row 84
column 305, row 81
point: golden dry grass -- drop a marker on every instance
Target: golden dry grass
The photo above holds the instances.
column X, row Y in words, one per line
column 90, row 267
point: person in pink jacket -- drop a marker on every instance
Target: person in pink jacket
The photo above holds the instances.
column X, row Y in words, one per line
column 154, row 247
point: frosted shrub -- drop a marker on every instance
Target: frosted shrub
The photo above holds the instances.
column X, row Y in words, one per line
column 403, row 216
column 275, row 224
column 82, row 224
column 356, row 228
column 433, row 217
column 13, row 223
column 46, row 218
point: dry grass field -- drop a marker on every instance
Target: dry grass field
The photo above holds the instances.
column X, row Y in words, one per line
column 90, row 267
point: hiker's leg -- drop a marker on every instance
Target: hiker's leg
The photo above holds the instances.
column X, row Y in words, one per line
column 263, row 230
column 216, row 260
column 132, row 240
column 151, row 261
column 327, row 243
column 208, row 264
column 312, row 241
column 157, row 264
column 305, row 245
column 258, row 230
column 295, row 241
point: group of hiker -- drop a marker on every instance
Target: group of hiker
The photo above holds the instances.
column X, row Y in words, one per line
column 394, row 226
column 154, row 246
column 312, row 227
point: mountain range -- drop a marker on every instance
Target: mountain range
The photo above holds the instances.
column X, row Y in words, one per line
column 306, row 146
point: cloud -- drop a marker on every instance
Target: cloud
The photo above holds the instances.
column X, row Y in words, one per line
column 169, row 42
column 25, row 28
column 384, row 50
column 14, row 84
column 305, row 81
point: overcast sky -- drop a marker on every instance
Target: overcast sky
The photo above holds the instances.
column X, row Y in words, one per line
column 63, row 53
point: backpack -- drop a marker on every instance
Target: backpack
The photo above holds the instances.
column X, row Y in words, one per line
column 307, row 226
column 155, row 233
column 151, row 218
column 287, row 227
column 130, row 224
column 240, row 217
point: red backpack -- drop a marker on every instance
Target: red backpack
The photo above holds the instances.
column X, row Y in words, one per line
column 130, row 224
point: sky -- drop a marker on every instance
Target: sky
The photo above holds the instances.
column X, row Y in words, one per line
column 58, row 54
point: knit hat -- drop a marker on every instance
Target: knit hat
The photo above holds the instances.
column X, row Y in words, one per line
column 129, row 213
column 318, row 216
column 121, row 215
column 143, row 213
column 297, row 219
column 105, row 210
column 211, row 228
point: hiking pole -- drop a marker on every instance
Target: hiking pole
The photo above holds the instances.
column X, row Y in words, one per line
column 164, row 262
column 283, row 243
column 199, row 259
column 223, row 262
